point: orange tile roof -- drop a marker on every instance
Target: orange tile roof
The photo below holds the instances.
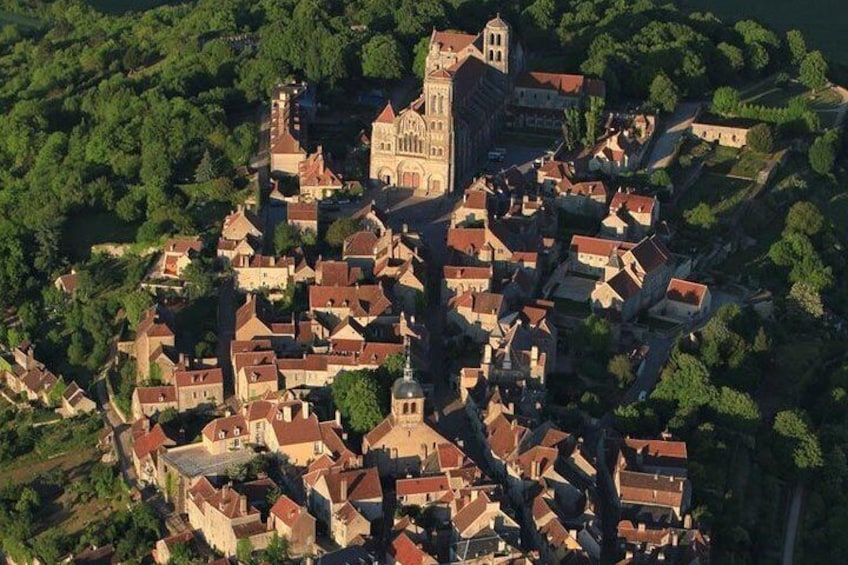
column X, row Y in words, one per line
column 360, row 244
column 597, row 246
column 687, row 292
column 287, row 510
column 405, row 552
column 316, row 170
column 633, row 203
column 227, row 425
column 181, row 246
column 451, row 40
column 362, row 484
column 570, row 85
column 363, row 300
column 260, row 373
column 652, row 490
column 337, row 273
column 302, row 211
column 199, row 377
column 156, row 394
column 387, row 115
column 147, row 443
column 422, row 485
column 467, row 240
column 467, row 273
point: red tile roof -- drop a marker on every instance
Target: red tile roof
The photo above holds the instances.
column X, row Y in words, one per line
column 422, row 485
column 405, row 552
column 362, row 484
column 652, row 490
column 452, row 40
column 226, row 426
column 597, row 246
column 450, row 456
column 302, row 211
column 287, row 510
column 569, row 85
column 555, row 170
column 467, row 240
column 467, row 273
column 586, row 188
column 147, row 443
column 260, row 373
column 199, row 377
column 656, row 452
column 316, row 170
column 687, row 292
column 337, row 273
column 360, row 244
column 182, row 245
column 387, row 116
column 156, row 394
column 633, row 203
column 362, row 300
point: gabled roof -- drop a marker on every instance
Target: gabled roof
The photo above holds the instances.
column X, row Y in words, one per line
column 597, row 245
column 362, row 484
column 147, row 443
column 405, row 552
column 156, row 394
column 624, row 284
column 387, row 116
column 360, row 244
column 362, row 300
column 650, row 253
column 652, row 489
column 656, row 452
column 633, row 203
column 182, row 245
column 567, row 85
column 688, row 292
column 302, row 211
column 452, row 40
column 316, row 170
column 199, row 377
column 422, row 485
column 452, row 272
column 225, row 428
column 287, row 510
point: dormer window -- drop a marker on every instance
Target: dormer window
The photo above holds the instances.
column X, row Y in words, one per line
column 279, row 415
column 236, row 431
column 222, row 434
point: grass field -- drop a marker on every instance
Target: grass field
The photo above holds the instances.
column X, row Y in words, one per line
column 721, row 193
column 821, row 21
column 736, row 163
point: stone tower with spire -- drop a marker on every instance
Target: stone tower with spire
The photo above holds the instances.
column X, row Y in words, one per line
column 407, row 395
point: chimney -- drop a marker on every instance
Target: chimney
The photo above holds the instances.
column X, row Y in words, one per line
column 534, row 355
column 465, row 197
column 243, row 504
column 304, row 408
column 184, row 360
column 287, row 413
column 405, row 228
column 487, row 354
column 534, row 469
column 343, row 489
column 474, row 493
column 338, row 418
column 640, row 527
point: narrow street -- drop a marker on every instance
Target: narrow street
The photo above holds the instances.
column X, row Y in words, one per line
column 226, row 327
column 792, row 524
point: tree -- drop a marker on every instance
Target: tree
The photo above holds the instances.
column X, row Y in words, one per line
column 136, row 304
column 383, row 57
column 822, row 154
column 737, row 410
column 183, row 554
column 244, row 551
column 761, row 138
column 725, row 100
column 804, row 299
column 199, row 278
column 619, row 366
column 796, row 45
column 206, row 169
column 592, row 117
column 795, row 250
column 701, row 216
column 419, row 57
column 797, row 441
column 340, row 230
column 286, row 238
column 663, row 93
column 308, row 237
column 813, row 71
column 804, row 217
column 358, row 397
column 686, row 383
column 277, row 551
column 571, row 123
column 593, row 338
column 660, row 179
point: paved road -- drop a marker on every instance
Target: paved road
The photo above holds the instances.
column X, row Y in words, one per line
column 226, row 327
column 676, row 125
column 792, row 525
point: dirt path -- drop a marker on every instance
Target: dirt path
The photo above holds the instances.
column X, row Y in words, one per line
column 792, row 525
column 676, row 125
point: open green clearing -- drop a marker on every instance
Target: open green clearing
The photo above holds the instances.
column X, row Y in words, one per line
column 821, row 21
column 721, row 193
column 735, row 162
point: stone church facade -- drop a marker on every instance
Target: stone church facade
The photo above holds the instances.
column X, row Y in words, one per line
column 436, row 141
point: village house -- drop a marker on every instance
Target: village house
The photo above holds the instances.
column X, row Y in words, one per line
column 293, row 522
column 148, row 444
column 652, row 474
column 303, row 216
column 587, row 198
column 76, row 402
column 405, row 279
column 458, row 280
column 67, row 283
column 623, row 147
column 363, row 303
column 255, row 320
column 266, row 272
column 345, row 501
column 404, row 551
column 364, row 249
column 281, row 424
column 476, row 314
column 241, row 225
column 402, row 442
column 631, row 216
column 225, row 516
column 154, row 345
column 254, row 381
column 645, row 272
column 551, row 174
column 177, row 254
column 317, row 177
column 164, row 548
column 472, row 210
column 290, row 112
column 684, row 301
column 191, row 390
column 336, row 273
column 483, row 520
column 372, row 218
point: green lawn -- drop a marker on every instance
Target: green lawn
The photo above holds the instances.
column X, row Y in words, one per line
column 828, row 99
column 769, row 94
column 821, row 21
column 735, row 162
column 89, row 228
column 721, row 193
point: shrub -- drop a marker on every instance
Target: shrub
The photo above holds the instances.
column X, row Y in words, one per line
column 761, row 138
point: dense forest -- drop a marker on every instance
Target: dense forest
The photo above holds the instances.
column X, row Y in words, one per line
column 132, row 126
